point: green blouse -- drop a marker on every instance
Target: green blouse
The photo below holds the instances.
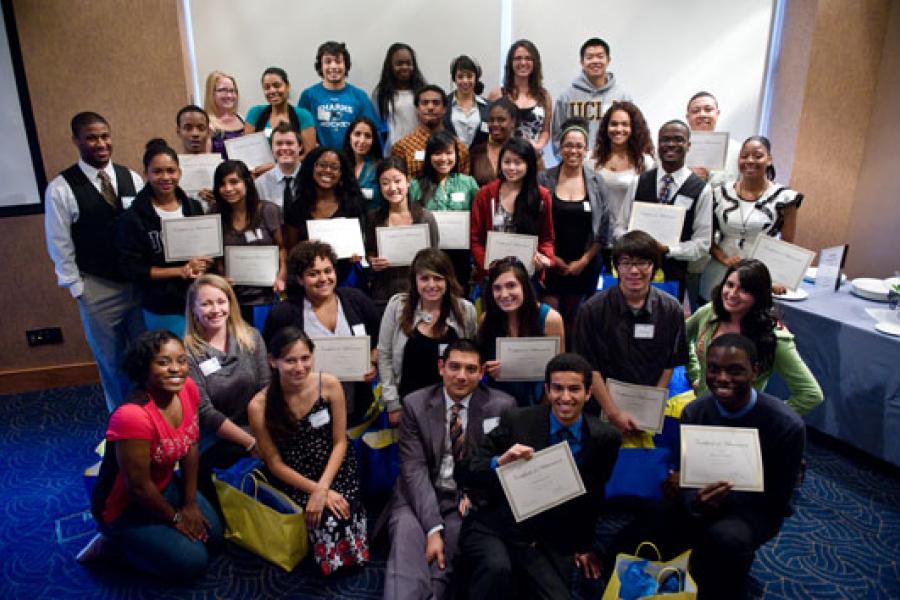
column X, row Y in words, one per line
column 456, row 192
column 805, row 393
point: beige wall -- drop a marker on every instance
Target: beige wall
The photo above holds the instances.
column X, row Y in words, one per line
column 121, row 58
column 846, row 40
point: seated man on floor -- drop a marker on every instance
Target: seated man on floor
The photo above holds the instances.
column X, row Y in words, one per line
column 535, row 557
column 440, row 423
column 725, row 527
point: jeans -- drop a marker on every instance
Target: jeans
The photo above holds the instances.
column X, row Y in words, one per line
column 111, row 317
column 174, row 323
column 157, row 548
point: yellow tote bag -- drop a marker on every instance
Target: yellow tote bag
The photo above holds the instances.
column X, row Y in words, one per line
column 659, row 570
column 278, row 537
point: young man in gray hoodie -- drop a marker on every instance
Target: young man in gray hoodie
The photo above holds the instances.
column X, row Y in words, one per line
column 591, row 92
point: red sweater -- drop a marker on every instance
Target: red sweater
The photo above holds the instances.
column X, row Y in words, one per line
column 482, row 221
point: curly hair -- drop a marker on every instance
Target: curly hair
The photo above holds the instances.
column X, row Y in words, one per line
column 142, row 351
column 640, row 142
column 304, row 255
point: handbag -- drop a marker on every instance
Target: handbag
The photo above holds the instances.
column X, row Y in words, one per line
column 375, row 443
column 261, row 518
column 636, row 578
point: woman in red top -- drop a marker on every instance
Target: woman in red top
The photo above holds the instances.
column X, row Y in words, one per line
column 513, row 203
column 158, row 523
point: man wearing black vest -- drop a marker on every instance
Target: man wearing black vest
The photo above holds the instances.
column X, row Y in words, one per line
column 82, row 205
column 673, row 183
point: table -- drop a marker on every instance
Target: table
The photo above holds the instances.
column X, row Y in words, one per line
column 857, row 367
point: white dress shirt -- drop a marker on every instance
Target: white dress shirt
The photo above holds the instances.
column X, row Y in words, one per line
column 270, row 186
column 61, row 211
column 701, row 232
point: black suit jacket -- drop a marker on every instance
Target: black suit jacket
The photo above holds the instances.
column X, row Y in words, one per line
column 565, row 529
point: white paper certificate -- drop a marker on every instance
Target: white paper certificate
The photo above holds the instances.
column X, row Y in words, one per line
column 251, row 265
column 787, row 263
column 708, row 150
column 399, row 244
column 711, row 454
column 547, row 479
column 662, row 221
column 453, row 226
column 525, row 358
column 346, row 357
column 197, row 171
column 500, row 245
column 645, row 403
column 252, row 148
column 343, row 235
column 187, row 237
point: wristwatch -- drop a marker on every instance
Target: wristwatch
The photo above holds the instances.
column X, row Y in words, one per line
column 176, row 518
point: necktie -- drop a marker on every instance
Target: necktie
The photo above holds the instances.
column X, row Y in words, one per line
column 564, row 435
column 665, row 188
column 457, row 435
column 288, row 197
column 106, row 189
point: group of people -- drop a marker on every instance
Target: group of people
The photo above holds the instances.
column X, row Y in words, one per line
column 199, row 372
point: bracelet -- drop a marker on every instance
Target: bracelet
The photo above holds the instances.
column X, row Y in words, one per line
column 251, row 447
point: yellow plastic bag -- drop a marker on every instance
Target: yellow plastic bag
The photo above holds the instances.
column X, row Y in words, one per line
column 277, row 537
column 659, row 569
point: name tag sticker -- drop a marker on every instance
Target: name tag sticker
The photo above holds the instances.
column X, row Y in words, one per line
column 250, row 236
column 419, row 155
column 318, row 419
column 484, row 127
column 643, row 331
column 210, row 366
column 368, row 193
column 587, row 206
column 683, row 201
column 126, row 201
column 458, row 197
column 359, row 329
column 489, row 424
column 323, row 114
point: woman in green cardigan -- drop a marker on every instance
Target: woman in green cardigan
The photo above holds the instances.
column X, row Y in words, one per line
column 742, row 303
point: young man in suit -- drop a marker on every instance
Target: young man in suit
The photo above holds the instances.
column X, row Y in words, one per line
column 506, row 559
column 82, row 206
column 440, row 424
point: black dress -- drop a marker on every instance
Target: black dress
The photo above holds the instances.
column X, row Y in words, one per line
column 573, row 234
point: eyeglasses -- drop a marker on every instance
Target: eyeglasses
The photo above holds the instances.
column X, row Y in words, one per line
column 641, row 263
column 225, row 91
column 522, row 59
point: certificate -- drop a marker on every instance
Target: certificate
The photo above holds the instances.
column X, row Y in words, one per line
column 663, row 222
column 711, row 454
column 787, row 263
column 197, row 171
column 342, row 234
column 399, row 244
column 251, row 265
column 453, row 226
column 547, row 479
column 346, row 357
column 525, row 358
column 645, row 403
column 828, row 271
column 186, row 237
column 500, row 245
column 708, row 150
column 252, row 148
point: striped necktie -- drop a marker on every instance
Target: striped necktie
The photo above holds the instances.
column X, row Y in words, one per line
column 106, row 189
column 457, row 435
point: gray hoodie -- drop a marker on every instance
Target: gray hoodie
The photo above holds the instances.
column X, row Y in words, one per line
column 584, row 100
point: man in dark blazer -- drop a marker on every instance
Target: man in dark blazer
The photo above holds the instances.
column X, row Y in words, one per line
column 505, row 559
column 426, row 510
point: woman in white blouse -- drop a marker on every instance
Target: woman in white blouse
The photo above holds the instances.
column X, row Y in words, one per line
column 622, row 151
column 753, row 205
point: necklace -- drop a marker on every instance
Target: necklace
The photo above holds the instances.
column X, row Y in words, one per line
column 745, row 217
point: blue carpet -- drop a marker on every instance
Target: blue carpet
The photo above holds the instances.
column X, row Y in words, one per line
column 844, row 541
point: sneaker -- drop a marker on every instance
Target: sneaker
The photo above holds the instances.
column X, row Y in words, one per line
column 93, row 550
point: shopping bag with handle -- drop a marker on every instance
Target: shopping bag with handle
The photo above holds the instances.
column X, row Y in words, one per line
column 635, row 578
column 259, row 517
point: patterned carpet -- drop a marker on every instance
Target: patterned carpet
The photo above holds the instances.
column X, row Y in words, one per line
column 844, row 541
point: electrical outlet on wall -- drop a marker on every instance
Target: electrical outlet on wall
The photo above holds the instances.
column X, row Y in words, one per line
column 42, row 337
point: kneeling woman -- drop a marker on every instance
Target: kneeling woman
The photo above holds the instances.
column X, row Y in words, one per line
column 158, row 523
column 301, row 428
